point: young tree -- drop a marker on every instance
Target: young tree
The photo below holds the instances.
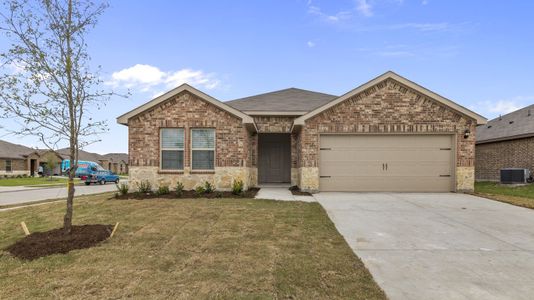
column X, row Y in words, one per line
column 51, row 161
column 47, row 84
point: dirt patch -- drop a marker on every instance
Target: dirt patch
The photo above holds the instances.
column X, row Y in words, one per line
column 250, row 193
column 39, row 244
column 295, row 190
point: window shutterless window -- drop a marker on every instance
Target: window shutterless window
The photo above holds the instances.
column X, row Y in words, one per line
column 9, row 167
column 172, row 149
column 203, row 149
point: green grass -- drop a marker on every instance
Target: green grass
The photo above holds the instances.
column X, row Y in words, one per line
column 192, row 248
column 516, row 195
column 33, row 181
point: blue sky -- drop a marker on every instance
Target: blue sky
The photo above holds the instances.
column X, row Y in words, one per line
column 477, row 53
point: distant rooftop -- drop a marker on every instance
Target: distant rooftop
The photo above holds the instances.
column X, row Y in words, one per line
column 288, row 100
column 517, row 124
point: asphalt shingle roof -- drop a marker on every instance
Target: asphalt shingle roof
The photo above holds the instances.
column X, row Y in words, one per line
column 14, row 151
column 519, row 123
column 291, row 99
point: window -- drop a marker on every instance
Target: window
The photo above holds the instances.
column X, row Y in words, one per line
column 202, row 149
column 8, row 166
column 172, row 149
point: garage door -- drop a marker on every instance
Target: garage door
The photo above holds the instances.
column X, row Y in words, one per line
column 402, row 163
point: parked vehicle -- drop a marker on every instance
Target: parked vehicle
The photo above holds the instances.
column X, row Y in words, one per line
column 85, row 168
column 101, row 177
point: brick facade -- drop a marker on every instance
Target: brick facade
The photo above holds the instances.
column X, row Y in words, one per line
column 389, row 107
column 490, row 159
column 187, row 111
column 18, row 166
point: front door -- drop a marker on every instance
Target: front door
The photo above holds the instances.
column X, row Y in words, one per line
column 274, row 155
column 32, row 167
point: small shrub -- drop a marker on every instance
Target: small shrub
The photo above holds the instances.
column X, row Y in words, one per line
column 123, row 188
column 179, row 189
column 200, row 190
column 237, row 187
column 218, row 195
column 144, row 187
column 208, row 187
column 162, row 190
column 19, row 176
column 24, row 175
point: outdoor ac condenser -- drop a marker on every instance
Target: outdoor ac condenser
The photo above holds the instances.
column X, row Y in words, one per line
column 514, row 175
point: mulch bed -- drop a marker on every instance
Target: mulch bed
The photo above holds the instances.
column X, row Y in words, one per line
column 295, row 190
column 250, row 193
column 39, row 244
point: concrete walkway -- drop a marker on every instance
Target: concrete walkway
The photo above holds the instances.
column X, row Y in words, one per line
column 438, row 246
column 282, row 194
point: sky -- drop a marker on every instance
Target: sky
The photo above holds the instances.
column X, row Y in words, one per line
column 477, row 53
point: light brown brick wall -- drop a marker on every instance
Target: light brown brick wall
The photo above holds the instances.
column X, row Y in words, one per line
column 492, row 157
column 187, row 111
column 16, row 165
column 388, row 107
column 273, row 124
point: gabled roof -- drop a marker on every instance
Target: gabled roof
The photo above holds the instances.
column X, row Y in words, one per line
column 82, row 155
column 184, row 87
column 391, row 75
column 116, row 157
column 517, row 124
column 290, row 101
column 14, row 151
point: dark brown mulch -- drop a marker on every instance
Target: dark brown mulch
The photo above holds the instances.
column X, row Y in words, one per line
column 39, row 244
column 295, row 190
column 250, row 193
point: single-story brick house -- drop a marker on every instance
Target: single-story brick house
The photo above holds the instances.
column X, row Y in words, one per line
column 505, row 142
column 388, row 134
column 21, row 160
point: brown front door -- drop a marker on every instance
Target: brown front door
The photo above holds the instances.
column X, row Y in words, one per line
column 274, row 154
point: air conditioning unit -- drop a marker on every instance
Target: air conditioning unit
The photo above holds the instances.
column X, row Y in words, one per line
column 514, row 175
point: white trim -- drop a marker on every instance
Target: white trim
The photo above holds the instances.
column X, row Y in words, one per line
column 274, row 113
column 391, row 75
column 161, row 148
column 214, row 149
column 123, row 119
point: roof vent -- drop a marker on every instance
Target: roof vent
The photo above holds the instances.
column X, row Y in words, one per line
column 511, row 122
column 489, row 126
column 528, row 112
column 500, row 117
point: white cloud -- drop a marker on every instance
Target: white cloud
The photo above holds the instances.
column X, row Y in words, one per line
column 339, row 16
column 310, row 44
column 492, row 109
column 424, row 2
column 364, row 8
column 147, row 77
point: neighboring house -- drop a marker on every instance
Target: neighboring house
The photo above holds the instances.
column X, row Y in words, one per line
column 505, row 142
column 21, row 160
column 389, row 134
column 117, row 162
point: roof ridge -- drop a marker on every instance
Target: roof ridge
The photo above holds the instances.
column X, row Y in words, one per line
column 278, row 91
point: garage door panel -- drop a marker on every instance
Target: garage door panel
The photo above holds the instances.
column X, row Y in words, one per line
column 414, row 163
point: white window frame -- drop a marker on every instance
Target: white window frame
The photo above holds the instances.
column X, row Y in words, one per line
column 161, row 149
column 10, row 166
column 203, row 149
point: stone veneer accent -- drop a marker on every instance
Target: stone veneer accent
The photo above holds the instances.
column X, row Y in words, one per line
column 222, row 178
column 489, row 158
column 388, row 107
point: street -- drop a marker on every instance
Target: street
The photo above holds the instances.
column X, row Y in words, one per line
column 26, row 194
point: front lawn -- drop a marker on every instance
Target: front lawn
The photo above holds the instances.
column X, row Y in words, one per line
column 516, row 195
column 192, row 248
column 34, row 181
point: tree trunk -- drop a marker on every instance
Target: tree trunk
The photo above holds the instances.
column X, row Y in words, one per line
column 67, row 220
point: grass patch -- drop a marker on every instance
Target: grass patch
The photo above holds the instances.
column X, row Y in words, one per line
column 34, row 181
column 516, row 195
column 192, row 248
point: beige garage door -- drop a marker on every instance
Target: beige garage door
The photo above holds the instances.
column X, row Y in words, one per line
column 402, row 163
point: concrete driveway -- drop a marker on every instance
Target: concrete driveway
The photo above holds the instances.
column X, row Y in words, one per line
column 438, row 246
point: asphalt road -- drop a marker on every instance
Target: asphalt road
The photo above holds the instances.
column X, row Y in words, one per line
column 25, row 195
